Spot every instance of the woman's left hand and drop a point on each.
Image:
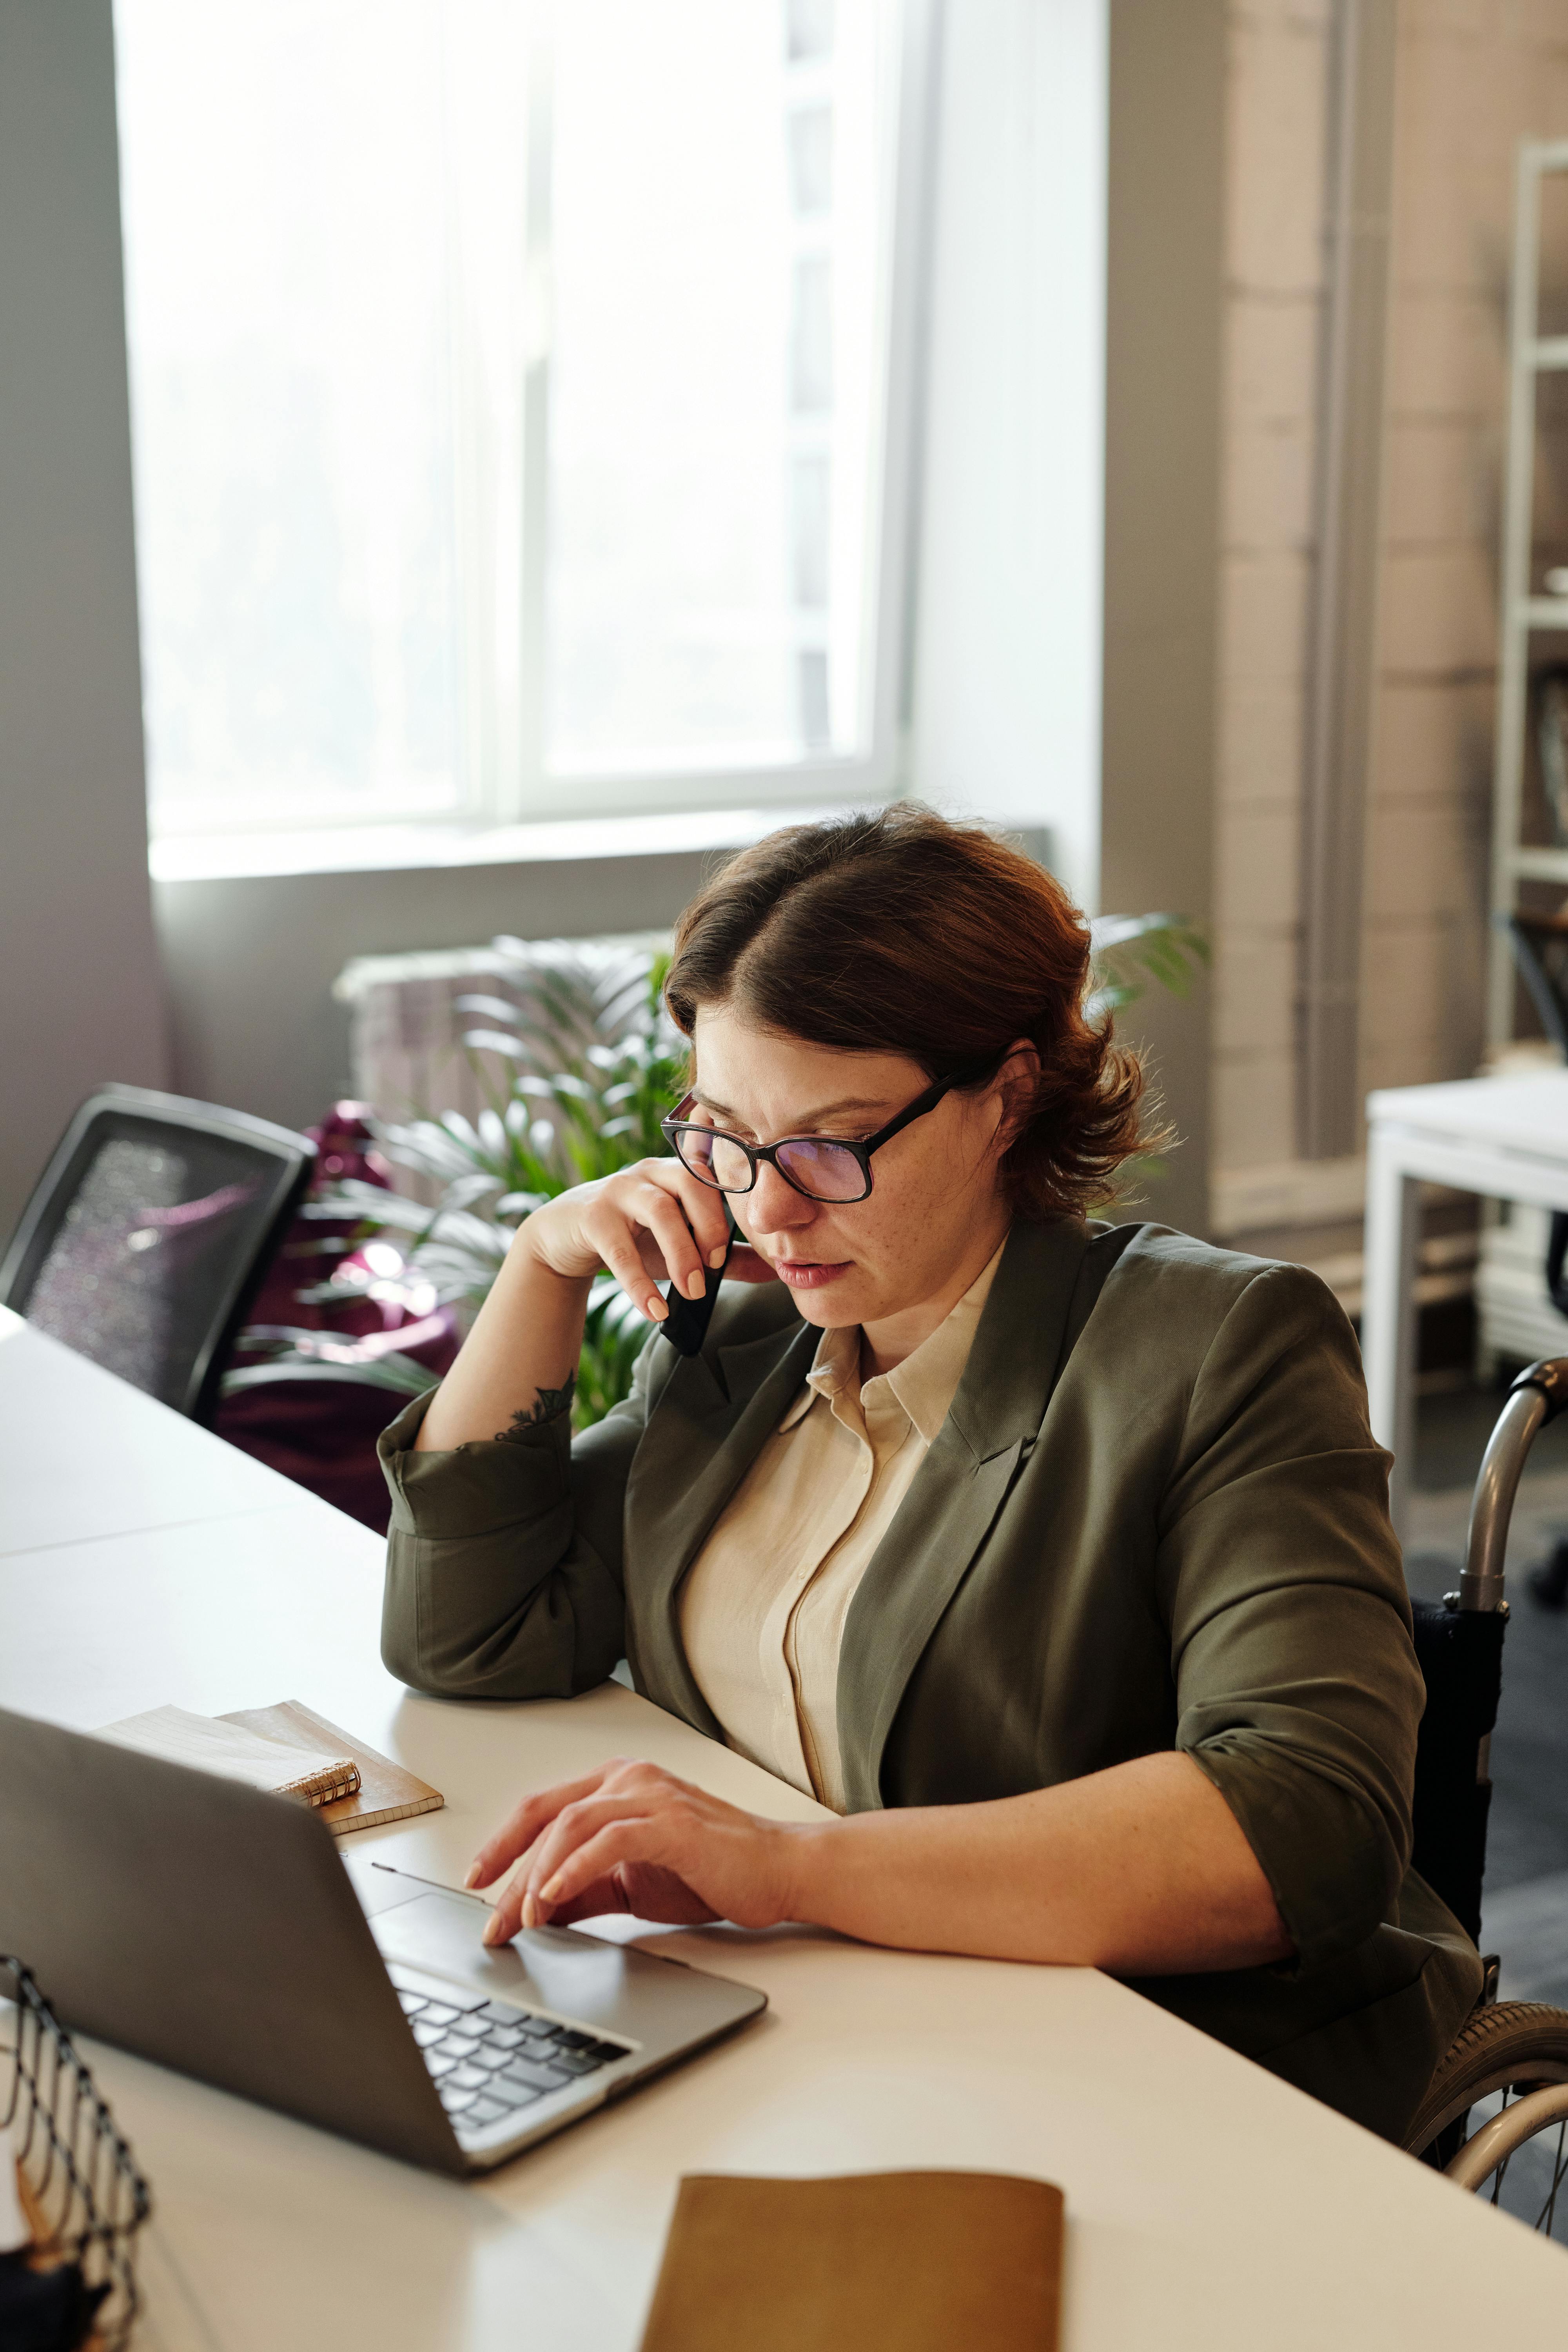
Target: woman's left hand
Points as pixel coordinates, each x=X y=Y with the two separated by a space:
x=631 y=1837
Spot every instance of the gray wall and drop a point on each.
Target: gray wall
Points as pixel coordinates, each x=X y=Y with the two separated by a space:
x=1164 y=289
x=251 y=962
x=79 y=995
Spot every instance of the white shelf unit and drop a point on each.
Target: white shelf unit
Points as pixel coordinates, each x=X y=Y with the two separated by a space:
x=1516 y=1321
x=1515 y=1317
x=1531 y=356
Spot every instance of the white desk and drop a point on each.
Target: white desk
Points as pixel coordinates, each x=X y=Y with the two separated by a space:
x=1505 y=1137
x=1209 y=2206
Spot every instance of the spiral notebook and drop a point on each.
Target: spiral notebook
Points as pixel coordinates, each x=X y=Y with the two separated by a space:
x=291 y=1750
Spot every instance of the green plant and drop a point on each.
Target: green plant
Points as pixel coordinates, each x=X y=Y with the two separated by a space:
x=578 y=1062
x=1128 y=951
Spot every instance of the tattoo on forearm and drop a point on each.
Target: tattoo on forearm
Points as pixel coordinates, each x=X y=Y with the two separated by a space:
x=548 y=1405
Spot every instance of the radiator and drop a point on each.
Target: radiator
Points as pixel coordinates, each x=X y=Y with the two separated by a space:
x=405 y=1032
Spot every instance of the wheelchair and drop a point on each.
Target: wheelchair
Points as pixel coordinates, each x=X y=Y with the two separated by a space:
x=1495 y=2115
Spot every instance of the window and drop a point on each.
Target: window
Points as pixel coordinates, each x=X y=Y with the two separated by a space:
x=519 y=402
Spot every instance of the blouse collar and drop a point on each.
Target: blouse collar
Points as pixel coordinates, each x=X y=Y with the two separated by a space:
x=927 y=1381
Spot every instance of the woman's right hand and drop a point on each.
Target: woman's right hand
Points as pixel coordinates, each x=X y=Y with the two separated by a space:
x=649 y=1224
x=652 y=1223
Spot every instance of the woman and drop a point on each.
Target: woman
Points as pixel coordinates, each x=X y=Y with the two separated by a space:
x=1055 y=1558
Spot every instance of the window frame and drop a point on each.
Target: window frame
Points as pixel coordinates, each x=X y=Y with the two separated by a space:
x=503 y=784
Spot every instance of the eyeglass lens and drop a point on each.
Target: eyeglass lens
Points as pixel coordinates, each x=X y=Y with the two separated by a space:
x=825 y=1171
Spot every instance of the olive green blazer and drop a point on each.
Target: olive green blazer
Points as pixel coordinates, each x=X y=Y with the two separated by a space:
x=1155 y=1517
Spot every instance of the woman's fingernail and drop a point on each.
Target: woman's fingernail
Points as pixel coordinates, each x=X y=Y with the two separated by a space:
x=696 y=1286
x=656 y=1310
x=716 y=1257
x=473 y=1877
x=551 y=1894
x=492 y=1934
x=529 y=1917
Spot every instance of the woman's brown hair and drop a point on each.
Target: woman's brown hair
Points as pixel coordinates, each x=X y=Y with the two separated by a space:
x=896 y=933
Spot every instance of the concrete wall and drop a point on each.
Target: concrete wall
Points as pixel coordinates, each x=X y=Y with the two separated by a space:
x=79 y=993
x=1010 y=698
x=1165 y=286
x=1279 y=65
x=1471 y=80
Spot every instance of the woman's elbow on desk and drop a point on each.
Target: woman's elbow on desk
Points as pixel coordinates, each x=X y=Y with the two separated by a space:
x=464 y=1673
x=406 y=1657
x=537 y=1661
x=454 y=1664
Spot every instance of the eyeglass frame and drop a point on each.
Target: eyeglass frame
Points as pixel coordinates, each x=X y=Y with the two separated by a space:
x=860 y=1150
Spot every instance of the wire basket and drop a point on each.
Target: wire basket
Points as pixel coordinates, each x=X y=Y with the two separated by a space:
x=80 y=2189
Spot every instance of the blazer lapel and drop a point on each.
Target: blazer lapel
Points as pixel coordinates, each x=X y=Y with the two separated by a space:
x=709 y=1426
x=1030 y=1317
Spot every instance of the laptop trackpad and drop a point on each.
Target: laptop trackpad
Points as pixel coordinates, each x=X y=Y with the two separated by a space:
x=547 y=1967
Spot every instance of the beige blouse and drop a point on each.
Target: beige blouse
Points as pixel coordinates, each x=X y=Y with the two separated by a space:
x=763 y=1608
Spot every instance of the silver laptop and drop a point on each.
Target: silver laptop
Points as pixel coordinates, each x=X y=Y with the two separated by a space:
x=215 y=1929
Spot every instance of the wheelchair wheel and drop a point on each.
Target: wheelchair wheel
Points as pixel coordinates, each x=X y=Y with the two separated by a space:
x=1495 y=2117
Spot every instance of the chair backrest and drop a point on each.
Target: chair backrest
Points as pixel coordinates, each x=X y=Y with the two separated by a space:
x=148 y=1232
x=1459 y=1643
x=1460 y=1656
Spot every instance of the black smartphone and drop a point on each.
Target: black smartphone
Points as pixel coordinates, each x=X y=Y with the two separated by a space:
x=687 y=1325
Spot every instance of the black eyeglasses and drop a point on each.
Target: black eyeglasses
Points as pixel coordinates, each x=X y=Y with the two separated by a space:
x=822 y=1167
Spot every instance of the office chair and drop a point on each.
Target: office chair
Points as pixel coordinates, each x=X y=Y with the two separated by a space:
x=1513 y=2051
x=148 y=1234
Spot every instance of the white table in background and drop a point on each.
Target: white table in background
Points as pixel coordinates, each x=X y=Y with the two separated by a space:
x=1210 y=2207
x=1504 y=1137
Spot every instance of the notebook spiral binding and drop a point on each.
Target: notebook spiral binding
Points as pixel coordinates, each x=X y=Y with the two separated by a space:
x=87 y=2196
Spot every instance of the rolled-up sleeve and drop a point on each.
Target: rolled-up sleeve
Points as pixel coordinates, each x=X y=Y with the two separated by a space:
x=1297 y=1690
x=503 y=1569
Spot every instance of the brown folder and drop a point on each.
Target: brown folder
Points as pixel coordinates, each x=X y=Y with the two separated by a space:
x=386 y=1791
x=876 y=2261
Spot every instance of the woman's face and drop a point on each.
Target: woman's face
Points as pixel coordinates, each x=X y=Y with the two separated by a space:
x=934 y=1196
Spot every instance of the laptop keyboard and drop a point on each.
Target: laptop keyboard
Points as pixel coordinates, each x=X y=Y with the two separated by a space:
x=489 y=2059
